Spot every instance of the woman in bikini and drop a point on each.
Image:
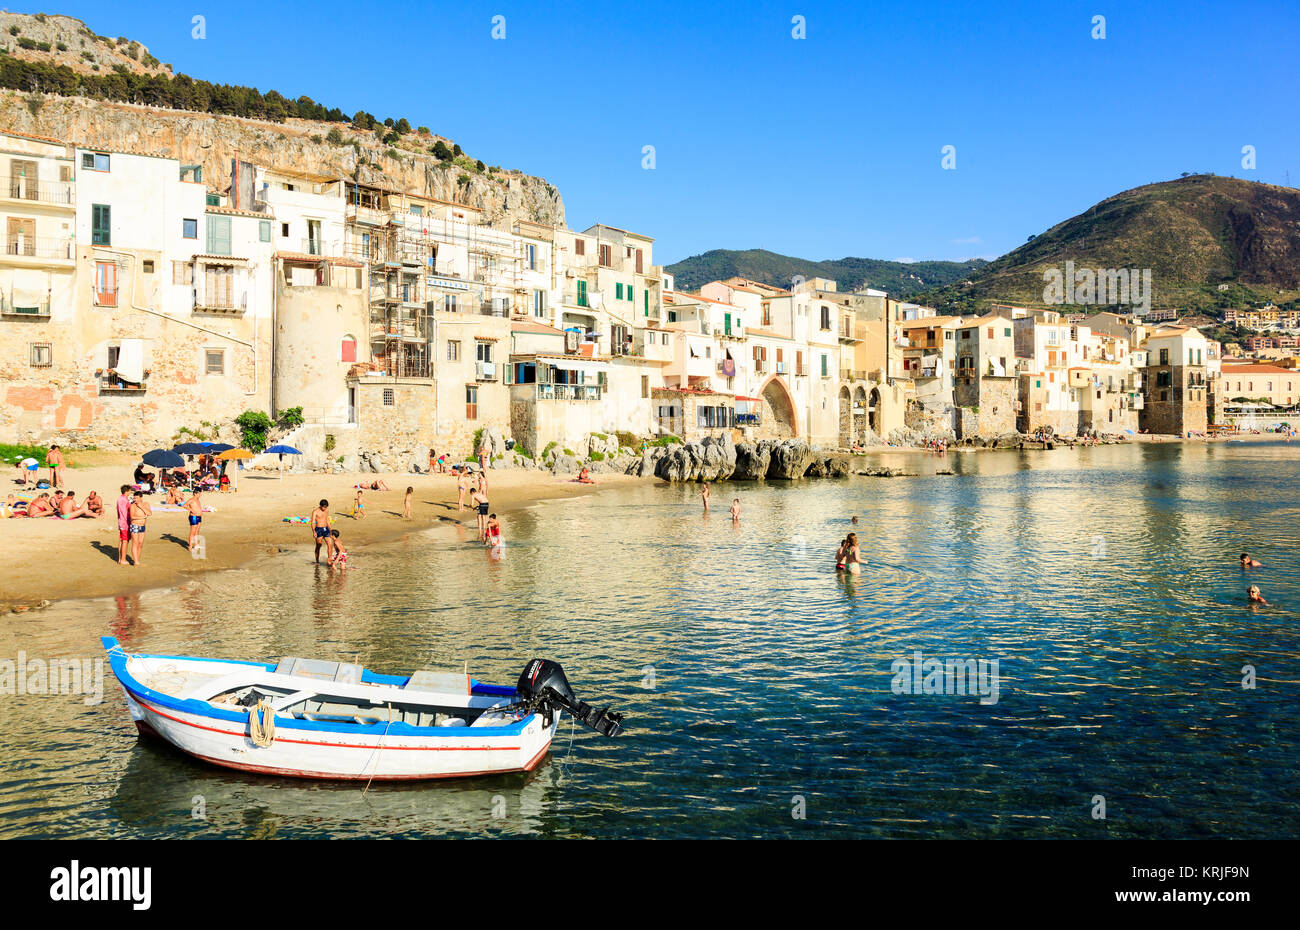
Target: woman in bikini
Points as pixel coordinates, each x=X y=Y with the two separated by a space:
x=852 y=555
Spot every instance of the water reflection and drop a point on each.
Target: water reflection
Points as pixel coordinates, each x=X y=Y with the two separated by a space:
x=1103 y=579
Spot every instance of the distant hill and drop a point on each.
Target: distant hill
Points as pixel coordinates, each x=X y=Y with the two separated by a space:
x=1210 y=242
x=900 y=279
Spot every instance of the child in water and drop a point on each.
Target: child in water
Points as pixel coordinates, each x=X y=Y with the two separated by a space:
x=339 y=559
x=406 y=503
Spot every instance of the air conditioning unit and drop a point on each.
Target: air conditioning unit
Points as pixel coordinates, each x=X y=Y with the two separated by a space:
x=485 y=371
x=570 y=342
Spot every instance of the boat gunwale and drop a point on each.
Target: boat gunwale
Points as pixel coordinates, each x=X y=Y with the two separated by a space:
x=137 y=690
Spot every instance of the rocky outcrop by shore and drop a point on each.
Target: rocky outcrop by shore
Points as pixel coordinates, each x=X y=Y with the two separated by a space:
x=719 y=458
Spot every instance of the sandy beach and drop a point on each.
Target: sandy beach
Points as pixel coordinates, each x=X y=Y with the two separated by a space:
x=51 y=560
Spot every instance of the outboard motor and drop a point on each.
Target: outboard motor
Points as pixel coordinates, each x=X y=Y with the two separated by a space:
x=543 y=688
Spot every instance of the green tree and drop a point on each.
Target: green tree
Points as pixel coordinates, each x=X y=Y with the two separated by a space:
x=253 y=426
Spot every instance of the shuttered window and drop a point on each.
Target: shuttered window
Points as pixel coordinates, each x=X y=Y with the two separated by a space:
x=218 y=235
x=101 y=224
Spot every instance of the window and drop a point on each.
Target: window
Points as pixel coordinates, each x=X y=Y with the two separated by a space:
x=214 y=361
x=449 y=303
x=483 y=351
x=284 y=230
x=348 y=350
x=579 y=247
x=40 y=355
x=263 y=230
x=106 y=284
x=531 y=251
x=825 y=367
x=182 y=273
x=96 y=161
x=798 y=363
x=965 y=334
x=219 y=235
x=190 y=229
x=453 y=350
x=1164 y=356
x=582 y=293
x=629 y=292
x=148 y=265
x=539 y=303
x=606 y=256
x=471 y=402
x=389 y=399
x=100 y=224
x=618 y=292
x=990 y=332
x=1007 y=331
x=826 y=318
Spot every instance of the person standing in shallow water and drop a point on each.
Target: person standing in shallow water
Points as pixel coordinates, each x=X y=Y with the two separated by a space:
x=704 y=496
x=735 y=510
x=320 y=529
x=852 y=555
x=406 y=504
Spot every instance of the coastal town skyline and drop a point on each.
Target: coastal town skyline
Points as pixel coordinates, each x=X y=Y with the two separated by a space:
x=1011 y=177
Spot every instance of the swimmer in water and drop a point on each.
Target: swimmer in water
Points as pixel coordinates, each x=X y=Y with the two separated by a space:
x=852 y=556
x=735 y=509
x=854 y=519
x=1253 y=596
x=1248 y=562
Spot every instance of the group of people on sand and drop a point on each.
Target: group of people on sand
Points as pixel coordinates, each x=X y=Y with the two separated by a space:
x=59 y=504
x=29 y=468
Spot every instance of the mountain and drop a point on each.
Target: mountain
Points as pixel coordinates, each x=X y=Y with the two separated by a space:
x=1210 y=242
x=900 y=279
x=60 y=79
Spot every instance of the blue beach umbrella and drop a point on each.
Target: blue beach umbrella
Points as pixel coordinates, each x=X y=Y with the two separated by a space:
x=193 y=448
x=163 y=458
x=216 y=448
x=282 y=451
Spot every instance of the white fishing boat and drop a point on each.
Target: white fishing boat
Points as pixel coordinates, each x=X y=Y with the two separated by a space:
x=308 y=718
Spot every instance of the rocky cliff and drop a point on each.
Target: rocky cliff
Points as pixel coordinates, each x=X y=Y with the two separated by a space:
x=299 y=145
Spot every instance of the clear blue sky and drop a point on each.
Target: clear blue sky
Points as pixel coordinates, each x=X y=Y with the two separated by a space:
x=823 y=147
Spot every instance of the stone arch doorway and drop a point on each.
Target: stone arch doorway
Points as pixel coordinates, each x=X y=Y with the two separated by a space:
x=846 y=418
x=776 y=396
x=859 y=414
x=873 y=411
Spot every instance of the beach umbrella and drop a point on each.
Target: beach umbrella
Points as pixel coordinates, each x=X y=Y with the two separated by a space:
x=282 y=451
x=163 y=458
x=231 y=455
x=192 y=448
x=217 y=447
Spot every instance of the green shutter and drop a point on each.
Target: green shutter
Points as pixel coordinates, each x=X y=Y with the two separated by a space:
x=582 y=293
x=646 y=294
x=101 y=224
x=264 y=230
x=218 y=235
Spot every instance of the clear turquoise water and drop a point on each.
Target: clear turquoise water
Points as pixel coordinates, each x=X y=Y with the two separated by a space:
x=1120 y=670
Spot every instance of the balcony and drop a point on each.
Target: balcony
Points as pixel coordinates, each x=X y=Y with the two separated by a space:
x=39 y=248
x=38 y=310
x=57 y=193
x=109 y=383
x=367 y=216
x=854 y=374
x=104 y=296
x=579 y=392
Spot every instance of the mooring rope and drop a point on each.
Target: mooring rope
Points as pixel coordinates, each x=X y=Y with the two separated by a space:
x=261 y=731
x=379 y=752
